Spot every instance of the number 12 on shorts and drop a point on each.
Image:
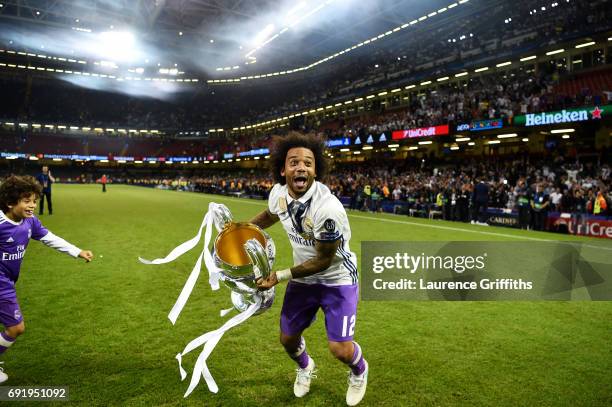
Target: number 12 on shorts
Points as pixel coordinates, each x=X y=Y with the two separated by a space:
x=348 y=323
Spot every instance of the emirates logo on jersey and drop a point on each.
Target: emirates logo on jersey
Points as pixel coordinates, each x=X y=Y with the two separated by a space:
x=14 y=256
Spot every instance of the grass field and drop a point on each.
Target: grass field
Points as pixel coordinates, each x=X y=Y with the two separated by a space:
x=101 y=328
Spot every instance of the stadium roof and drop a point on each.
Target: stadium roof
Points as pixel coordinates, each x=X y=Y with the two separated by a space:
x=212 y=34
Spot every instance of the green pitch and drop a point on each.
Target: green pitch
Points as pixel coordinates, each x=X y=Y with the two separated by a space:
x=101 y=328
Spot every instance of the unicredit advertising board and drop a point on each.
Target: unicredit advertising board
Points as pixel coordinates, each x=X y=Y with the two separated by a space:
x=595 y=226
x=422 y=132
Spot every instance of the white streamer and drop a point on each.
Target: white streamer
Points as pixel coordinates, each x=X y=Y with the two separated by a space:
x=209 y=339
x=183 y=248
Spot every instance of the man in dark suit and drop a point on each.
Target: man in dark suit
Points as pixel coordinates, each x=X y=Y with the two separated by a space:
x=480 y=199
x=45 y=179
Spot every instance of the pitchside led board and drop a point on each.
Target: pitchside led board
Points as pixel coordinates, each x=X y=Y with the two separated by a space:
x=564 y=116
x=420 y=132
x=346 y=141
x=486 y=271
x=479 y=125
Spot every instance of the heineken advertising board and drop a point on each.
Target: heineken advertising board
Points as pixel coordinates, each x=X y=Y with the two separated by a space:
x=564 y=116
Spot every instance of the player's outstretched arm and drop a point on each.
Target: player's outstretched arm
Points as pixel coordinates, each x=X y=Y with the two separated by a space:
x=325 y=255
x=55 y=242
x=265 y=219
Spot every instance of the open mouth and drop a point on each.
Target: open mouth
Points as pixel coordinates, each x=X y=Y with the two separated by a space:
x=29 y=213
x=300 y=181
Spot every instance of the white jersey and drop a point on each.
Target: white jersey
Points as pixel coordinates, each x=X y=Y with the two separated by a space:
x=317 y=215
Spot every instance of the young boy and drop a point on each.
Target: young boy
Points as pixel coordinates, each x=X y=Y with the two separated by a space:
x=18 y=197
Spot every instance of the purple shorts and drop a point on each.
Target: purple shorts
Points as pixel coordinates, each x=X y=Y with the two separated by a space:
x=339 y=304
x=10 y=313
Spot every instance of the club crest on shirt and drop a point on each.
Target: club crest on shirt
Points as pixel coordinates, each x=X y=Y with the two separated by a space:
x=308 y=226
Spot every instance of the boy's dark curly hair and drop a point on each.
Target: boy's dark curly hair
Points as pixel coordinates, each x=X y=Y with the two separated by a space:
x=16 y=187
x=282 y=145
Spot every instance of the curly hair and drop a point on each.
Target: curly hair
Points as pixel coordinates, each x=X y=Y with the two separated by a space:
x=15 y=188
x=282 y=145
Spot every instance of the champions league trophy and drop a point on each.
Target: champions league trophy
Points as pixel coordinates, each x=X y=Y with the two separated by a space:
x=241 y=259
x=243 y=253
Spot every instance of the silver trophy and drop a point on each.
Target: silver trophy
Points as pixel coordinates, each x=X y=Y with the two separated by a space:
x=243 y=253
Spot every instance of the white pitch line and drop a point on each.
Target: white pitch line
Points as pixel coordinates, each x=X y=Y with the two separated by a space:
x=452 y=228
x=424 y=225
x=480 y=232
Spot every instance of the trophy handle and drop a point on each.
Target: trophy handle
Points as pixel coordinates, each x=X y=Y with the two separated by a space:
x=258 y=257
x=222 y=216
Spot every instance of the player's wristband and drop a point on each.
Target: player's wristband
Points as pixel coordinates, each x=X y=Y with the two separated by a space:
x=283 y=275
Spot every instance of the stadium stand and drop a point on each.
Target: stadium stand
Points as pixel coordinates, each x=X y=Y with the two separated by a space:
x=44 y=116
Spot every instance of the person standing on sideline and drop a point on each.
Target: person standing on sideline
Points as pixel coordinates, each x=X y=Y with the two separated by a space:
x=480 y=199
x=523 y=197
x=45 y=179
x=324 y=274
x=540 y=203
x=103 y=181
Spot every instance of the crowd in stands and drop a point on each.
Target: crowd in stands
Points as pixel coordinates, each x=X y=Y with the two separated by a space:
x=460 y=191
x=247 y=185
x=493 y=96
x=454 y=46
x=47 y=100
x=410 y=55
x=419 y=189
x=451 y=191
x=529 y=185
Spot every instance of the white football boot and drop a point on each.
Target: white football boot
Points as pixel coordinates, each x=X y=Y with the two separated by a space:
x=357 y=386
x=3 y=376
x=303 y=377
